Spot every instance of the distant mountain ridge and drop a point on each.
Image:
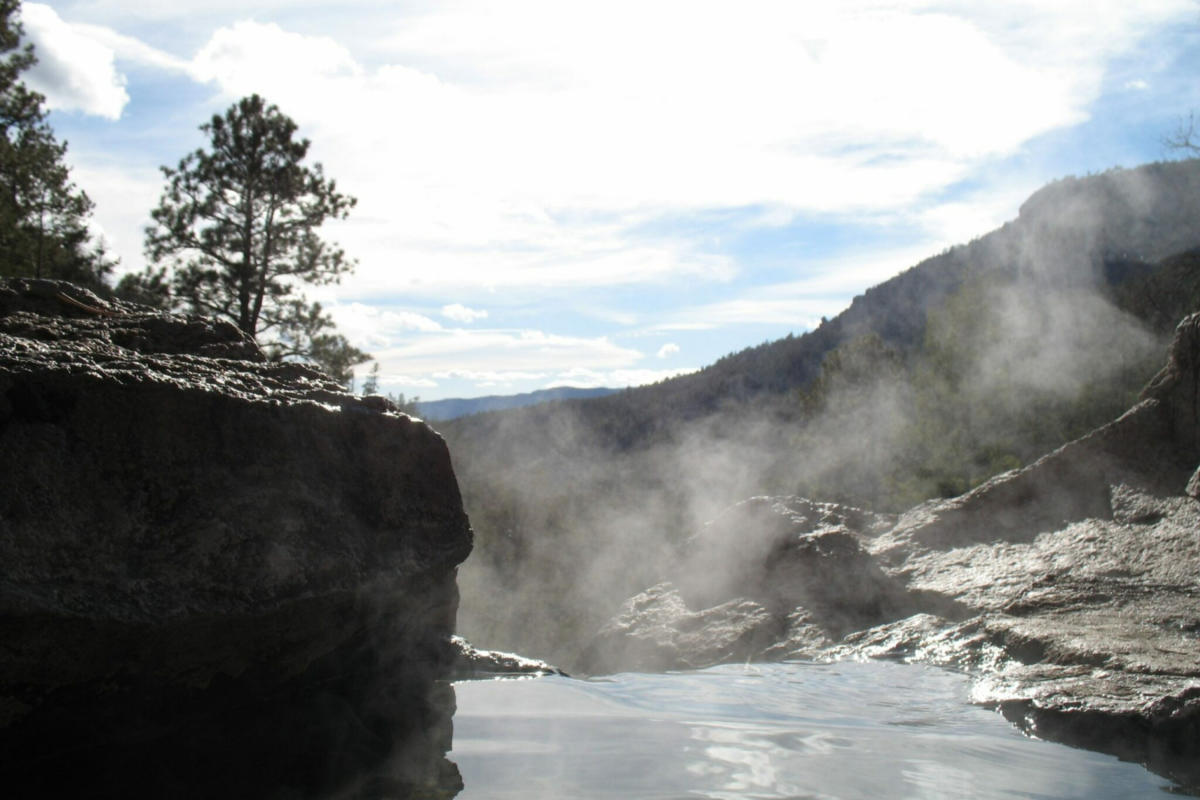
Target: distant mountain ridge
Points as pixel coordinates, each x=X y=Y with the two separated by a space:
x=1142 y=215
x=1071 y=231
x=452 y=408
x=975 y=361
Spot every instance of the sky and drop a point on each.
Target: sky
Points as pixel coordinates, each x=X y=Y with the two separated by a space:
x=611 y=193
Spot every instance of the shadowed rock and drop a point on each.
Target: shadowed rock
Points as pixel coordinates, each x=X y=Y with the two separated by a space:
x=219 y=575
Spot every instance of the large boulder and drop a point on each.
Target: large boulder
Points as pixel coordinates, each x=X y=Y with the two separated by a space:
x=219 y=575
x=769 y=576
x=1082 y=572
x=656 y=630
x=784 y=552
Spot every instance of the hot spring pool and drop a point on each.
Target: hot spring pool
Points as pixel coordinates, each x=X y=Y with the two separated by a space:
x=845 y=730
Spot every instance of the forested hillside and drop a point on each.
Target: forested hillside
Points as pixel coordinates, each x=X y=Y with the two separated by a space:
x=976 y=360
x=44 y=216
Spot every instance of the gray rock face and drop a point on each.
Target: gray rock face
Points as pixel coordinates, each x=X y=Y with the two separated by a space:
x=745 y=574
x=199 y=547
x=791 y=552
x=656 y=630
x=471 y=663
x=1070 y=588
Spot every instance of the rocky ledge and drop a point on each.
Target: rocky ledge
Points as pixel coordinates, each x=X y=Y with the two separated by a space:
x=1070 y=589
x=219 y=576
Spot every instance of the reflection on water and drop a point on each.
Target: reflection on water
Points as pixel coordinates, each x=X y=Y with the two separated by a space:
x=764 y=731
x=768 y=731
x=333 y=742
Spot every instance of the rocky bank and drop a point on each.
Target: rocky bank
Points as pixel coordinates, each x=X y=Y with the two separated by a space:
x=1070 y=589
x=219 y=576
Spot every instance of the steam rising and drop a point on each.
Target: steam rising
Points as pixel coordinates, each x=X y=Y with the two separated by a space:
x=1005 y=348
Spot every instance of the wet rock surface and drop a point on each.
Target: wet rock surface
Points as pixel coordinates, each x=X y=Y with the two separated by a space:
x=656 y=630
x=219 y=576
x=472 y=663
x=780 y=549
x=1070 y=589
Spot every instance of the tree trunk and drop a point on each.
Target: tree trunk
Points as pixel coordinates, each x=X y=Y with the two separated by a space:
x=248 y=320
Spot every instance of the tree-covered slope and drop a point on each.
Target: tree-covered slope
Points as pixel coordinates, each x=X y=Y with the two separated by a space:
x=974 y=361
x=1070 y=232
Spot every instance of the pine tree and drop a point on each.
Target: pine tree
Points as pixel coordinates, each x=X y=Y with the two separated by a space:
x=371 y=383
x=43 y=216
x=238 y=224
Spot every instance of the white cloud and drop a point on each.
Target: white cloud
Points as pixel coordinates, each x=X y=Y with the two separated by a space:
x=489 y=377
x=401 y=347
x=405 y=321
x=460 y=313
x=798 y=313
x=134 y=51
x=509 y=148
x=614 y=316
x=615 y=379
x=668 y=350
x=476 y=163
x=74 y=71
x=131 y=190
x=513 y=381
x=1137 y=85
x=249 y=57
x=846 y=275
x=547 y=258
x=827 y=289
x=970 y=215
x=371 y=326
x=682 y=325
x=387 y=380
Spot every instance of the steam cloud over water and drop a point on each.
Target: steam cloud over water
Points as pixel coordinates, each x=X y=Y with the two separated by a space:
x=976 y=361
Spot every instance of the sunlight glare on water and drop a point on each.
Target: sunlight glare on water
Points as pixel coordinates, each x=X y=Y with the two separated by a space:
x=848 y=730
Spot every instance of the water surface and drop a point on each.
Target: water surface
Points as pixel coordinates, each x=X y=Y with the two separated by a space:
x=846 y=730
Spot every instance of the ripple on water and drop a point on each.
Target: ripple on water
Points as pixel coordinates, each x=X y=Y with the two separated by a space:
x=845 y=730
